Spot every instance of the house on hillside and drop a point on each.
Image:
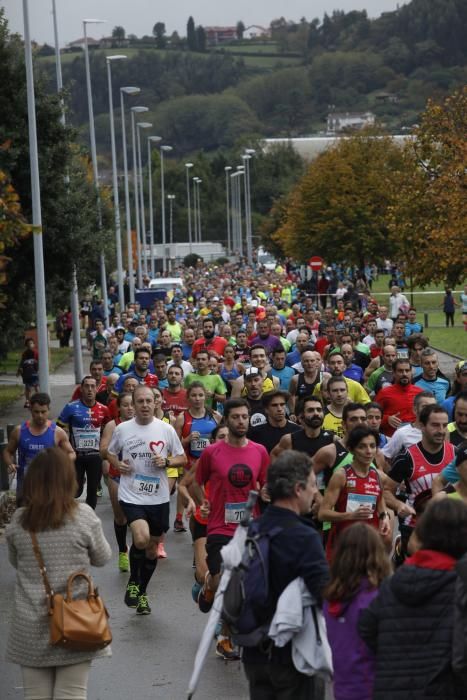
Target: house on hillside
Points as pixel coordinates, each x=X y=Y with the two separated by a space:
x=254 y=31
x=348 y=121
x=79 y=43
x=385 y=98
x=220 y=35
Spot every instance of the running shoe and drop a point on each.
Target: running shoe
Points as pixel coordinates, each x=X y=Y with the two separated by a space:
x=143 y=605
x=123 y=561
x=195 y=589
x=161 y=553
x=99 y=492
x=27 y=404
x=226 y=650
x=132 y=594
x=179 y=526
x=205 y=599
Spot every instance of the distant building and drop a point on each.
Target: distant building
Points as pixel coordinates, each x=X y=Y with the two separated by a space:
x=310 y=147
x=220 y=35
x=348 y=121
x=254 y=31
x=386 y=98
x=79 y=43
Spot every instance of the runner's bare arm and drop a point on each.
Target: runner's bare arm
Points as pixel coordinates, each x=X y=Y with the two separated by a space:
x=285 y=443
x=62 y=441
x=9 y=452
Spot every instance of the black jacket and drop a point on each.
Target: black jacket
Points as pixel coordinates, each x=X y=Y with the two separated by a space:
x=296 y=551
x=409 y=626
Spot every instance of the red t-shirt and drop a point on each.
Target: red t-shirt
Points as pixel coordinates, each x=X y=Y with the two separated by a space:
x=232 y=473
x=396 y=399
x=215 y=346
x=174 y=402
x=321 y=344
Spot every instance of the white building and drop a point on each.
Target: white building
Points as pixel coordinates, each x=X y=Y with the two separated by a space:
x=344 y=121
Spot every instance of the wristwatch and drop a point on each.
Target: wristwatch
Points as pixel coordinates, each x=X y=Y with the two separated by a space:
x=167 y=465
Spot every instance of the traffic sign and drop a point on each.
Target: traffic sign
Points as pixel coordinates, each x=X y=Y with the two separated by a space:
x=316 y=263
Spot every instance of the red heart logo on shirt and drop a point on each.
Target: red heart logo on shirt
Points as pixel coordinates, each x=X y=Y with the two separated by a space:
x=157 y=447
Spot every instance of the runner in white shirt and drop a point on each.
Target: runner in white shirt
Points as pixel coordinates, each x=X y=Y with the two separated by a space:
x=142 y=449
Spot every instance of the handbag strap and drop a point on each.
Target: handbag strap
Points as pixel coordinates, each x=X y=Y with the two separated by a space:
x=42 y=569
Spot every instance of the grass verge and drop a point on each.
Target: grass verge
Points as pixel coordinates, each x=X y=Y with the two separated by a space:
x=9 y=394
x=9 y=364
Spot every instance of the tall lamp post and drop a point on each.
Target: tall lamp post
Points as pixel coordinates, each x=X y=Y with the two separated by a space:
x=188 y=166
x=118 y=234
x=164 y=149
x=92 y=135
x=171 y=198
x=134 y=111
x=199 y=182
x=151 y=139
x=139 y=126
x=39 y=277
x=227 y=170
x=129 y=243
x=195 y=209
x=74 y=299
x=249 y=248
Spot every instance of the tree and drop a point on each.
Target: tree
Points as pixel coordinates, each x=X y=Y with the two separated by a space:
x=13 y=229
x=118 y=34
x=200 y=38
x=240 y=29
x=339 y=207
x=69 y=211
x=427 y=222
x=159 y=33
x=191 y=35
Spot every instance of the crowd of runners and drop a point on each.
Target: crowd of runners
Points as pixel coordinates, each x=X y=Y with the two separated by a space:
x=196 y=397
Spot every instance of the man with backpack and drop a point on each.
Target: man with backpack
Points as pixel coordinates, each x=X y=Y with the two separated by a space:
x=295 y=550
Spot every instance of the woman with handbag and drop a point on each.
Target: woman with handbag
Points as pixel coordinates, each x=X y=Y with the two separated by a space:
x=52 y=541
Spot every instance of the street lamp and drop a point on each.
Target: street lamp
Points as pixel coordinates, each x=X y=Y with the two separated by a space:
x=171 y=198
x=199 y=181
x=227 y=170
x=195 y=207
x=92 y=136
x=129 y=243
x=74 y=299
x=142 y=125
x=151 y=139
x=237 y=208
x=188 y=166
x=249 y=235
x=134 y=111
x=39 y=277
x=164 y=149
x=118 y=235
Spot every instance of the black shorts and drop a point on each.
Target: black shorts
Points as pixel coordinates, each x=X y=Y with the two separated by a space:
x=156 y=516
x=197 y=529
x=214 y=544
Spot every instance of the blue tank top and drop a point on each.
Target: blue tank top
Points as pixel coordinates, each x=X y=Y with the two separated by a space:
x=204 y=426
x=30 y=445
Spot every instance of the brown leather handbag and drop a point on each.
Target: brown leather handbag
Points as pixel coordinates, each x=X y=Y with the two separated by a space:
x=74 y=623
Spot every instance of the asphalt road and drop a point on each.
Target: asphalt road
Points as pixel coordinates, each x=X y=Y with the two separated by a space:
x=152 y=656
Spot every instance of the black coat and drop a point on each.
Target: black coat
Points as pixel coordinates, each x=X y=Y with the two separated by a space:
x=409 y=626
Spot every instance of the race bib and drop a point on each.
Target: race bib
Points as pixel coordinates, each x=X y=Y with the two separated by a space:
x=199 y=444
x=355 y=500
x=234 y=513
x=146 y=485
x=87 y=439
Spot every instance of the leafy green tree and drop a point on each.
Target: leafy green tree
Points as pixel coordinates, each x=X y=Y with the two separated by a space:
x=69 y=211
x=191 y=35
x=159 y=33
x=340 y=205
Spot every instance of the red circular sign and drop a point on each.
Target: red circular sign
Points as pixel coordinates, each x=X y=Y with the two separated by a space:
x=316 y=263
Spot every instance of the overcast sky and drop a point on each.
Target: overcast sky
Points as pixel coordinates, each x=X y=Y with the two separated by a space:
x=139 y=16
